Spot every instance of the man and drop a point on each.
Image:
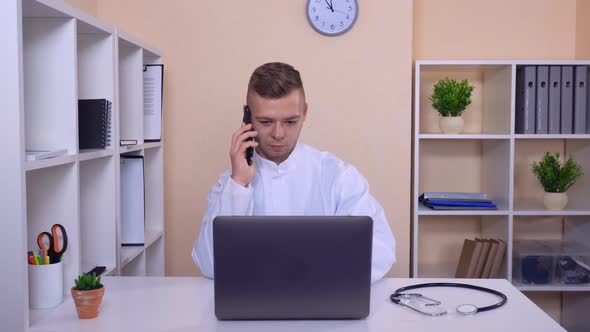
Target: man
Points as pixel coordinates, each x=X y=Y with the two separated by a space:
x=286 y=177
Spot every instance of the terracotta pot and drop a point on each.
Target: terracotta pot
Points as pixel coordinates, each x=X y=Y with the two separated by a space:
x=555 y=201
x=87 y=302
x=451 y=124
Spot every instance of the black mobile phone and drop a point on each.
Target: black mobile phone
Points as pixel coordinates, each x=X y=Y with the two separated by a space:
x=248 y=119
x=98 y=270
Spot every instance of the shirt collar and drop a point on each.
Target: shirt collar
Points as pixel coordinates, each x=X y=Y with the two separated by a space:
x=288 y=164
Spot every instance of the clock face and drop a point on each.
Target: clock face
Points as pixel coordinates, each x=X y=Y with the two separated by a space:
x=332 y=17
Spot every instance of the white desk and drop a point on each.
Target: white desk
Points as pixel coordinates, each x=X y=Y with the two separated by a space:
x=179 y=304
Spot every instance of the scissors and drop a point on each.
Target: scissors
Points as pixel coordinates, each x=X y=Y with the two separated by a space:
x=54 y=250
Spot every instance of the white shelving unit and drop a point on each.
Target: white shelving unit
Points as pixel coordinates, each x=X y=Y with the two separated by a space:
x=57 y=55
x=489 y=157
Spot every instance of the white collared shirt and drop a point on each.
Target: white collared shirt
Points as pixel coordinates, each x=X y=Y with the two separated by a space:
x=309 y=182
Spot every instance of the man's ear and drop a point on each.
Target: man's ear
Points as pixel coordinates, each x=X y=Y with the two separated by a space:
x=304 y=111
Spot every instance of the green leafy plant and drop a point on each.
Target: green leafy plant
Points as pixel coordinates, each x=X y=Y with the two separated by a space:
x=451 y=97
x=554 y=177
x=88 y=281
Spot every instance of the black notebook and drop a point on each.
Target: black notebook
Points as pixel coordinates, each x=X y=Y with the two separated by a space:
x=94 y=123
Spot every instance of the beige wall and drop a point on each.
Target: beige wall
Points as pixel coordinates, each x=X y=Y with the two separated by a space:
x=582 y=29
x=499 y=29
x=89 y=6
x=358 y=88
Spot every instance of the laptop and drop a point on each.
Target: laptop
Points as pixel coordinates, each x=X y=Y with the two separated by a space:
x=290 y=267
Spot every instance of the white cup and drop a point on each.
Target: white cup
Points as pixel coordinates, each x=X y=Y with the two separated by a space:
x=46 y=285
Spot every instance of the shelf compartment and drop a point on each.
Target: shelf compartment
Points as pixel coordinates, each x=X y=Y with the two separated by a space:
x=528 y=192
x=130 y=83
x=441 y=238
x=155 y=257
x=96 y=69
x=129 y=253
x=154 y=189
x=49 y=50
x=477 y=163
x=52 y=197
x=549 y=228
x=490 y=109
x=136 y=267
x=98 y=213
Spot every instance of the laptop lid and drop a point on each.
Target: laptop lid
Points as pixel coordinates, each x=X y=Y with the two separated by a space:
x=289 y=267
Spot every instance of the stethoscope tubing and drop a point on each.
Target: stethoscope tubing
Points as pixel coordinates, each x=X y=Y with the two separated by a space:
x=502 y=296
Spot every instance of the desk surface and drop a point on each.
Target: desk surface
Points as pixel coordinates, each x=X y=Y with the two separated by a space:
x=179 y=304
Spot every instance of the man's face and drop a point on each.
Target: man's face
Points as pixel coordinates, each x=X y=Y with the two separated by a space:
x=278 y=123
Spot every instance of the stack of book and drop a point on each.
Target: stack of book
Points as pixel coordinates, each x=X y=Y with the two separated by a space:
x=457 y=201
x=481 y=258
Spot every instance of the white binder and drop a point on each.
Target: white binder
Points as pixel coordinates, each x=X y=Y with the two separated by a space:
x=132 y=201
x=153 y=79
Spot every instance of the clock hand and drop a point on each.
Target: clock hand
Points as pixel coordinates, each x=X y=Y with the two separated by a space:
x=329 y=5
x=336 y=10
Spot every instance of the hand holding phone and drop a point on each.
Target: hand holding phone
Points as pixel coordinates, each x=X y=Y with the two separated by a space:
x=242 y=150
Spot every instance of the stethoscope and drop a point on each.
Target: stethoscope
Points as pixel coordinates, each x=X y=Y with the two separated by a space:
x=408 y=299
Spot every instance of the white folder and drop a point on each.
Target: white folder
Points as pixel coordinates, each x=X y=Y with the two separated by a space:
x=153 y=78
x=132 y=201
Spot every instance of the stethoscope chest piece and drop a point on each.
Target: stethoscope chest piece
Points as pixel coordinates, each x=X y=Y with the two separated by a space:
x=466 y=309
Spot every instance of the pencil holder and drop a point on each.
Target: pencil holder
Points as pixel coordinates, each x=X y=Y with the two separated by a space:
x=46 y=285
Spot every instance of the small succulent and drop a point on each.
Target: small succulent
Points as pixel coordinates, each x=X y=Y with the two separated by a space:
x=88 y=281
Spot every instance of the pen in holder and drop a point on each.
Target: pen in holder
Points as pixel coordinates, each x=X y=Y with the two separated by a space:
x=45 y=285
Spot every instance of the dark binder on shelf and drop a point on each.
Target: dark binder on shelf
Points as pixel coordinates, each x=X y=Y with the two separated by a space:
x=132 y=201
x=554 y=124
x=153 y=88
x=526 y=85
x=567 y=99
x=580 y=101
x=94 y=123
x=542 y=112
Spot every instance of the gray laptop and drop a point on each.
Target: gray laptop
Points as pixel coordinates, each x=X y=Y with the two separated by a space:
x=277 y=267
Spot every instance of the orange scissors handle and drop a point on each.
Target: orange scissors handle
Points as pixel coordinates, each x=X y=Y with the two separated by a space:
x=41 y=244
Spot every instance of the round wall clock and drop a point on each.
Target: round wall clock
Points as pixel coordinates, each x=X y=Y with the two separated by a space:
x=332 y=17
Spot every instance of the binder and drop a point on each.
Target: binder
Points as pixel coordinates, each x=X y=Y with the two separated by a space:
x=580 y=102
x=468 y=260
x=526 y=78
x=132 y=201
x=456 y=196
x=153 y=79
x=94 y=123
x=487 y=269
x=567 y=101
x=554 y=124
x=542 y=112
x=498 y=259
x=485 y=250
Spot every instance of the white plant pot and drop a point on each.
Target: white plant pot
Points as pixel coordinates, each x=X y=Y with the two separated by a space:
x=555 y=201
x=451 y=124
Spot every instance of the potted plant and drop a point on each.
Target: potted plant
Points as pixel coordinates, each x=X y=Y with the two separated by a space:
x=450 y=98
x=87 y=295
x=556 y=179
